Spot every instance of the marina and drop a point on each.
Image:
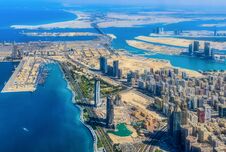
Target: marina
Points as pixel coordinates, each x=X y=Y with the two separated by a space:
x=25 y=77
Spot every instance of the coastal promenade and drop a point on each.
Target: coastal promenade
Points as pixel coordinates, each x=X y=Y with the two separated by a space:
x=99 y=132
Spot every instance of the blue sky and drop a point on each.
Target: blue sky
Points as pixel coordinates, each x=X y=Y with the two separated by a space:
x=159 y=3
x=151 y=2
x=207 y=5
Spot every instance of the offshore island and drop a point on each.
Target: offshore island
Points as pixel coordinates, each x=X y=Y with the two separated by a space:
x=129 y=102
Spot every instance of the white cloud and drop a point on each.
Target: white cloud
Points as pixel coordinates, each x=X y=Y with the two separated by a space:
x=158 y=2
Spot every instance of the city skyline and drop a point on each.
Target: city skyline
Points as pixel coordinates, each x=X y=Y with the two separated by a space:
x=113 y=76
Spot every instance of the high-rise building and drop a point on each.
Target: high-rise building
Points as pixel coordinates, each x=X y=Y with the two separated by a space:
x=207 y=50
x=222 y=111
x=119 y=73
x=158 y=30
x=184 y=113
x=97 y=93
x=177 y=124
x=115 y=69
x=174 y=124
x=178 y=32
x=170 y=120
x=118 y=100
x=103 y=65
x=131 y=76
x=109 y=112
x=184 y=75
x=158 y=89
x=212 y=53
x=201 y=115
x=190 y=49
x=110 y=70
x=196 y=46
x=215 y=32
x=16 y=53
x=207 y=109
x=194 y=103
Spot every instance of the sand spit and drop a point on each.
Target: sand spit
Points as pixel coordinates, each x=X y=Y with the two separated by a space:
x=83 y=21
x=155 y=48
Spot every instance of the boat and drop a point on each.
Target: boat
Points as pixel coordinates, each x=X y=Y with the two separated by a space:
x=25 y=129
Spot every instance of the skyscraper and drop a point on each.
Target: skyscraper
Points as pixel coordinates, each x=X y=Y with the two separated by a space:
x=184 y=113
x=14 y=54
x=174 y=124
x=110 y=112
x=207 y=109
x=215 y=32
x=212 y=53
x=196 y=46
x=110 y=70
x=158 y=30
x=201 y=115
x=115 y=69
x=170 y=120
x=184 y=75
x=207 y=50
x=97 y=93
x=119 y=73
x=103 y=65
x=190 y=49
x=222 y=111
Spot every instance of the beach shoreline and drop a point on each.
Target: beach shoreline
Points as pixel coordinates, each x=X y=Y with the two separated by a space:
x=92 y=132
x=82 y=21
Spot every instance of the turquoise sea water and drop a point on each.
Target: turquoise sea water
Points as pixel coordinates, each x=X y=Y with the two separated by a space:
x=192 y=63
x=123 y=34
x=18 y=16
x=34 y=15
x=43 y=121
x=46 y=120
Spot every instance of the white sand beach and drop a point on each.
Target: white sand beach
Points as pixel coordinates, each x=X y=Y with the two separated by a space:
x=82 y=21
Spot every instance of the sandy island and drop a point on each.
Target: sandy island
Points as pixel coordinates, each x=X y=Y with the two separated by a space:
x=83 y=21
x=214 y=25
x=59 y=34
x=112 y=19
x=191 y=34
x=116 y=19
x=179 y=42
x=155 y=48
